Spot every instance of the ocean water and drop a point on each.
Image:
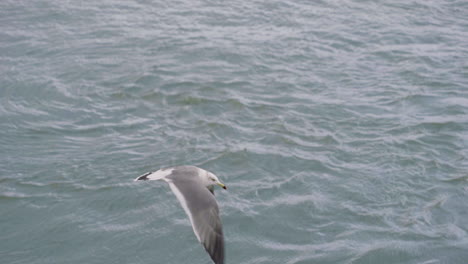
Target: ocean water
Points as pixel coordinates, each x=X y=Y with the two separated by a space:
x=339 y=127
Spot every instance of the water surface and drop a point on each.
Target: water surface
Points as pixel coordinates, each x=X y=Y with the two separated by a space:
x=340 y=128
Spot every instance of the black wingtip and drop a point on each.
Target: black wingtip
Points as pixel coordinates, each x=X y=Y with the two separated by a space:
x=217 y=251
x=143 y=177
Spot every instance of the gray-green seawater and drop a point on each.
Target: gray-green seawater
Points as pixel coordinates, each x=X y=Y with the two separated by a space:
x=339 y=127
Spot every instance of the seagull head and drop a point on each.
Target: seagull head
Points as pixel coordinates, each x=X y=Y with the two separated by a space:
x=210 y=180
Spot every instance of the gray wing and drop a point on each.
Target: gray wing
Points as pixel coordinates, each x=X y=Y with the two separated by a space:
x=201 y=207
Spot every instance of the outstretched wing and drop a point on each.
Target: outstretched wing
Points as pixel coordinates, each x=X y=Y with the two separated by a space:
x=202 y=209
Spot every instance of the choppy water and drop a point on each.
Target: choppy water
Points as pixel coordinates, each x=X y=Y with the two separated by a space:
x=340 y=128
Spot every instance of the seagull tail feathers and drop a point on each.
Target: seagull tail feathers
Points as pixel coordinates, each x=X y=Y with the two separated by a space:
x=143 y=177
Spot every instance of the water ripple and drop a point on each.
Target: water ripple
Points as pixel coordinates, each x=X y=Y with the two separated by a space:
x=339 y=127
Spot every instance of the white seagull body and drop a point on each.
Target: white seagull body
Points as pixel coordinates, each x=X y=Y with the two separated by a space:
x=193 y=187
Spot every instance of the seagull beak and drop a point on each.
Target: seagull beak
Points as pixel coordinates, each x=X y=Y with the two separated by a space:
x=222 y=186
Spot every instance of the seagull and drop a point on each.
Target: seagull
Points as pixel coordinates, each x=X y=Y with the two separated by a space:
x=194 y=188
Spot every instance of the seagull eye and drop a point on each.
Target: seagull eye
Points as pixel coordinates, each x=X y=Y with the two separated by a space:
x=213 y=179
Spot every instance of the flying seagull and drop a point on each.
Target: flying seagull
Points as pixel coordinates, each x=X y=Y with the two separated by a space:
x=194 y=188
